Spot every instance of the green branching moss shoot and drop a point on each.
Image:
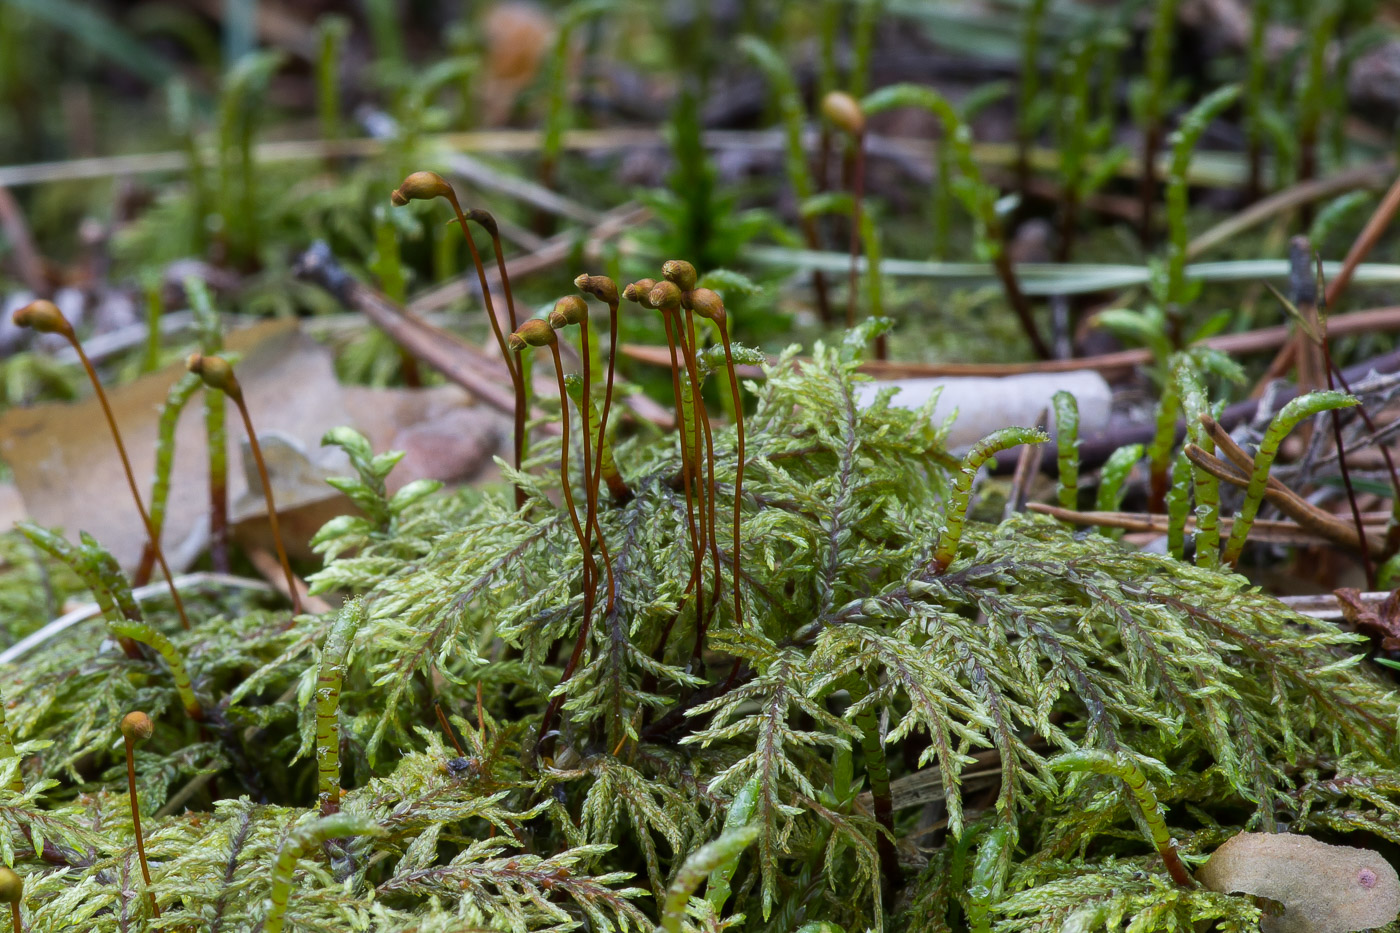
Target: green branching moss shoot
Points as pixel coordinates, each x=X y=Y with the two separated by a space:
x=704 y=860
x=1296 y=411
x=299 y=842
x=332 y=670
x=1067 y=448
x=980 y=453
x=1123 y=767
x=1192 y=391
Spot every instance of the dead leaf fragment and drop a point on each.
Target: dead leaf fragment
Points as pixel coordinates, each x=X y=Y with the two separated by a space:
x=1323 y=888
x=1379 y=621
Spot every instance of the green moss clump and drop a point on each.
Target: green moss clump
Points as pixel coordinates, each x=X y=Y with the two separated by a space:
x=882 y=727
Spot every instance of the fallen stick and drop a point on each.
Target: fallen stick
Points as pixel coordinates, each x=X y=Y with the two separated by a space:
x=1374 y=320
x=1270 y=531
x=1326 y=606
x=87 y=611
x=1095 y=449
x=1310 y=517
x=461 y=363
x=483 y=376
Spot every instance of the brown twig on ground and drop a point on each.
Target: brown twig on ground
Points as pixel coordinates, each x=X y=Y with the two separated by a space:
x=1374 y=320
x=1270 y=531
x=1360 y=248
x=1308 y=516
x=1327 y=606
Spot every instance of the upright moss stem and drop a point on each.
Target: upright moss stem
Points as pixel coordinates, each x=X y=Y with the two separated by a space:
x=567 y=311
x=1067 y=447
x=218 y=374
x=537 y=333
x=1195 y=403
x=640 y=292
x=979 y=196
x=867 y=720
x=301 y=840
x=1124 y=768
x=44 y=316
x=683 y=276
x=708 y=305
x=423 y=186
x=522 y=388
x=211 y=341
x=1149 y=103
x=605 y=290
x=844 y=112
x=136 y=729
x=666 y=297
x=175 y=401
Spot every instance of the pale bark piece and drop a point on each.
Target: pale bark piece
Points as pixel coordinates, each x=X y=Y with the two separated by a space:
x=984 y=405
x=1323 y=888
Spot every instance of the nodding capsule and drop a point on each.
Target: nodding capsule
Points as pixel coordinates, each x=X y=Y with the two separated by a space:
x=43 y=316
x=484 y=219
x=665 y=296
x=707 y=304
x=639 y=291
x=571 y=309
x=681 y=273
x=844 y=111
x=599 y=286
x=216 y=373
x=421 y=186
x=533 y=333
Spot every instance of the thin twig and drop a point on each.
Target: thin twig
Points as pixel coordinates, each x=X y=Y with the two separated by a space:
x=189 y=581
x=1270 y=531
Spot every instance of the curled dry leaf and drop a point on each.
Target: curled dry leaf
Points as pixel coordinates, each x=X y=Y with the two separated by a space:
x=1323 y=888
